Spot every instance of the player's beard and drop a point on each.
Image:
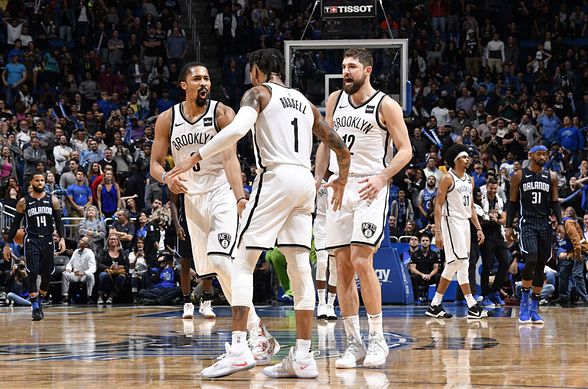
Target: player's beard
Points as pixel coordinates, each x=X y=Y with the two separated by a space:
x=36 y=189
x=355 y=85
x=540 y=162
x=201 y=101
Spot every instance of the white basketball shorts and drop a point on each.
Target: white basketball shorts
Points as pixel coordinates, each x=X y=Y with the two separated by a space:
x=319 y=228
x=279 y=211
x=358 y=221
x=455 y=233
x=212 y=223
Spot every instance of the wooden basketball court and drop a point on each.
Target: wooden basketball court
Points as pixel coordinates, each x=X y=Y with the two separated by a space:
x=116 y=347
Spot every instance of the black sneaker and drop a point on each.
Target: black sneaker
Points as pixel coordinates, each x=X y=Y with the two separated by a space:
x=477 y=312
x=41 y=310
x=438 y=311
x=37 y=314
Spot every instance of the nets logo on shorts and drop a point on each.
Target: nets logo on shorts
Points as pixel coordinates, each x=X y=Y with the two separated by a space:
x=224 y=239
x=368 y=229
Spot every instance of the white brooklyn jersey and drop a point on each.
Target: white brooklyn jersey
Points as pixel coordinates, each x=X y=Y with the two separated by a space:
x=186 y=138
x=459 y=197
x=283 y=131
x=366 y=137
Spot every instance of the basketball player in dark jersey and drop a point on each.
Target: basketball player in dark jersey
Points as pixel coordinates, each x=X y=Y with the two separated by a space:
x=533 y=191
x=40 y=211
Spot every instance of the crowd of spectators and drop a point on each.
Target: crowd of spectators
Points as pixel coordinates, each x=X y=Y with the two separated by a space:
x=82 y=84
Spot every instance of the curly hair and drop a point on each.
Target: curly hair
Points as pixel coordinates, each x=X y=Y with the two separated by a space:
x=453 y=152
x=269 y=61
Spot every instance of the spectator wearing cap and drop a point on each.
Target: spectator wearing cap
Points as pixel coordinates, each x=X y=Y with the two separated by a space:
x=78 y=140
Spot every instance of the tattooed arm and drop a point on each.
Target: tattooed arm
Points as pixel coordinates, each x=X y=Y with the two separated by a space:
x=332 y=140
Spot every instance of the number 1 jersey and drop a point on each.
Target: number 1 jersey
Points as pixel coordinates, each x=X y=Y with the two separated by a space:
x=283 y=131
x=187 y=137
x=364 y=134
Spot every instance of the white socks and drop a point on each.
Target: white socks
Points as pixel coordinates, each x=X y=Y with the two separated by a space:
x=351 y=324
x=437 y=299
x=375 y=324
x=470 y=300
x=321 y=295
x=331 y=300
x=302 y=349
x=239 y=342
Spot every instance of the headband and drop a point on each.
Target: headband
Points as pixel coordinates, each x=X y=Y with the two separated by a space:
x=537 y=148
x=461 y=155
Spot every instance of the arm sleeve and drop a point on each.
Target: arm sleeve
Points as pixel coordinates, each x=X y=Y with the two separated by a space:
x=556 y=208
x=243 y=121
x=510 y=213
x=14 y=226
x=58 y=222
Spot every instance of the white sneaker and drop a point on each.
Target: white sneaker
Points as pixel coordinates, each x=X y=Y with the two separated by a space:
x=377 y=351
x=188 y=311
x=291 y=367
x=353 y=356
x=263 y=346
x=331 y=315
x=109 y=300
x=321 y=311
x=206 y=309
x=230 y=363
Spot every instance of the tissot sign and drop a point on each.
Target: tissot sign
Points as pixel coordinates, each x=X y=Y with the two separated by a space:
x=348 y=8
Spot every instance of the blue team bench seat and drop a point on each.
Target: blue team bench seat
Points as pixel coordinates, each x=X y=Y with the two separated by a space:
x=450 y=294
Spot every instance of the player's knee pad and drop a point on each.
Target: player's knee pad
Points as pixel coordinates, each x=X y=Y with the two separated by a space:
x=322 y=258
x=450 y=270
x=242 y=277
x=332 y=271
x=300 y=274
x=463 y=272
x=222 y=266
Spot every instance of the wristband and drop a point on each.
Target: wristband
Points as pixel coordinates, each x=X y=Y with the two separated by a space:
x=163 y=177
x=241 y=198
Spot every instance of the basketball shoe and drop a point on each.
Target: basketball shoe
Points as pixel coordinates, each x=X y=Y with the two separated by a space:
x=188 y=311
x=377 y=351
x=321 y=311
x=230 y=362
x=353 y=356
x=438 y=311
x=263 y=345
x=290 y=367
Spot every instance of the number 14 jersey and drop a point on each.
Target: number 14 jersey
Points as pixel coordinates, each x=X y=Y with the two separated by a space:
x=364 y=134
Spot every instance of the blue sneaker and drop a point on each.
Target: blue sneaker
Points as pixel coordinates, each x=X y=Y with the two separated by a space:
x=535 y=318
x=496 y=299
x=486 y=303
x=525 y=313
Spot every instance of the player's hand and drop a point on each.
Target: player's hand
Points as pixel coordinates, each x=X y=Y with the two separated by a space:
x=180 y=232
x=176 y=183
x=61 y=245
x=426 y=277
x=6 y=253
x=241 y=206
x=560 y=230
x=372 y=187
x=480 y=236
x=338 y=186
x=438 y=240
x=509 y=235
x=184 y=166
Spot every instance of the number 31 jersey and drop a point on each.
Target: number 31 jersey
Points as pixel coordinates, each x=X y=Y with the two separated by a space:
x=459 y=197
x=366 y=137
x=535 y=194
x=187 y=137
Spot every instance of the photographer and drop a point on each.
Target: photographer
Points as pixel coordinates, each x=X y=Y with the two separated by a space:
x=165 y=288
x=494 y=245
x=18 y=293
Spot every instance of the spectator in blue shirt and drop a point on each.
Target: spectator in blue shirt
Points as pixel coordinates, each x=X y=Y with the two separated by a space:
x=14 y=74
x=570 y=137
x=479 y=175
x=79 y=195
x=164 y=103
x=550 y=125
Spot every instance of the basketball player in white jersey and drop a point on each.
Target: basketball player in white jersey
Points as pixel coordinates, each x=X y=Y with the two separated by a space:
x=454 y=208
x=368 y=121
x=325 y=309
x=282 y=122
x=211 y=207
